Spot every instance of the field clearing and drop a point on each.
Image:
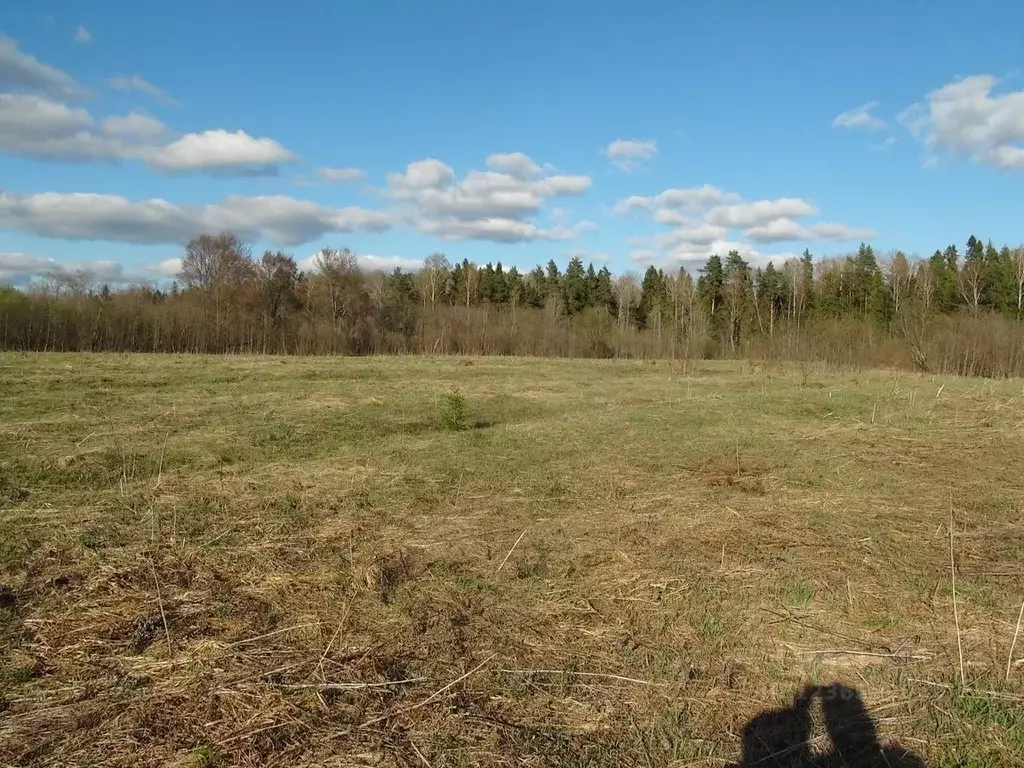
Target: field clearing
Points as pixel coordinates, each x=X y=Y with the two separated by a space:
x=292 y=562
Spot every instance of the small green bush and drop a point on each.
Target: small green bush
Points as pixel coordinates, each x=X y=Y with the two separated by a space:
x=454 y=411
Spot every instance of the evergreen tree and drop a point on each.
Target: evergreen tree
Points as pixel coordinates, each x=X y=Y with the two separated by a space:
x=535 y=288
x=866 y=283
x=591 y=282
x=997 y=280
x=710 y=286
x=653 y=300
x=574 y=287
x=603 y=296
x=943 y=280
x=499 y=285
x=514 y=287
x=737 y=293
x=807 y=281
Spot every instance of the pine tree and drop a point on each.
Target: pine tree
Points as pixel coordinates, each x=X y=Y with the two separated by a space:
x=653 y=300
x=997 y=281
x=806 y=283
x=866 y=284
x=943 y=280
x=710 y=286
x=574 y=287
x=603 y=296
x=737 y=294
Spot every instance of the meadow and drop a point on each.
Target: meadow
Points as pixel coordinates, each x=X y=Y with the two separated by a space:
x=330 y=561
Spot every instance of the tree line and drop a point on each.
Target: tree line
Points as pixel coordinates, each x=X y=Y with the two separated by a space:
x=952 y=312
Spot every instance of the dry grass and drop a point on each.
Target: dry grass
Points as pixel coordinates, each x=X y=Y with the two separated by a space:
x=291 y=562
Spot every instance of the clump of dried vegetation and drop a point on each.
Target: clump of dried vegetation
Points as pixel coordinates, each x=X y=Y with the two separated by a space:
x=269 y=562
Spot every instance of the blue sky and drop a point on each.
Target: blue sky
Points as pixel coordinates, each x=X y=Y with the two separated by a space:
x=649 y=132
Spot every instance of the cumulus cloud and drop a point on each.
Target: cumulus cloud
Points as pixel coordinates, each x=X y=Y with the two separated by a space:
x=514 y=163
x=827 y=230
x=501 y=230
x=860 y=118
x=706 y=220
x=627 y=154
x=760 y=213
x=692 y=257
x=136 y=125
x=692 y=198
x=966 y=118
x=779 y=230
x=82 y=35
x=279 y=219
x=37 y=126
x=136 y=83
x=20 y=70
x=218 y=150
x=20 y=269
x=484 y=205
x=370 y=263
x=340 y=174
x=645 y=256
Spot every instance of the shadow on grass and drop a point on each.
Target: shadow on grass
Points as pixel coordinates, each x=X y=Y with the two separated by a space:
x=781 y=738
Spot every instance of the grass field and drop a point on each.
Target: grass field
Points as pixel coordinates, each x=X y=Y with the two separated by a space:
x=290 y=562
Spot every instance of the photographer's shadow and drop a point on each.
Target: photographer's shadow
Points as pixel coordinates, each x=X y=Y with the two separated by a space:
x=781 y=738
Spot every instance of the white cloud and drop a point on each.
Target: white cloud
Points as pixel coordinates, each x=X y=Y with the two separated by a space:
x=787 y=230
x=778 y=230
x=859 y=118
x=168 y=267
x=692 y=198
x=372 y=263
x=515 y=163
x=278 y=219
x=627 y=154
x=137 y=125
x=82 y=35
x=704 y=220
x=36 y=126
x=760 y=213
x=691 y=232
x=964 y=117
x=914 y=118
x=28 y=116
x=369 y=263
x=502 y=230
x=827 y=230
x=693 y=257
x=885 y=144
x=340 y=174
x=218 y=150
x=136 y=83
x=484 y=205
x=645 y=256
x=20 y=269
x=21 y=70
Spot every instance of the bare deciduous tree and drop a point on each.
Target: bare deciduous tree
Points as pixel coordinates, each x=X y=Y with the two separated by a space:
x=1017 y=257
x=897 y=271
x=971 y=279
x=627 y=292
x=433 y=277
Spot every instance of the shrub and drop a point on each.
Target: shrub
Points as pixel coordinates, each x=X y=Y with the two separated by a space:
x=454 y=411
